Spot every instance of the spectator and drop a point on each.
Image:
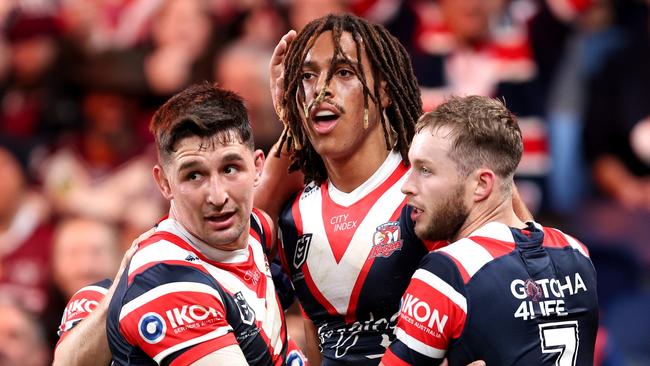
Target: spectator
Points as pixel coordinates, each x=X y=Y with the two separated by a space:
x=85 y=251
x=21 y=337
x=243 y=68
x=25 y=232
x=35 y=105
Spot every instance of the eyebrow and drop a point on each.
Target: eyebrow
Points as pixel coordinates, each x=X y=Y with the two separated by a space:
x=189 y=165
x=232 y=157
x=337 y=62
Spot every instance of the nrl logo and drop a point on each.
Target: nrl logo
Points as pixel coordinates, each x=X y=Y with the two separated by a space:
x=302 y=248
x=247 y=313
x=386 y=240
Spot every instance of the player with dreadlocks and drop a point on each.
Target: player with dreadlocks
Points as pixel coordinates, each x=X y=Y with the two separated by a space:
x=349 y=101
x=345 y=90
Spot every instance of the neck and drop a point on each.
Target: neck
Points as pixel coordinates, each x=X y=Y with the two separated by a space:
x=349 y=172
x=490 y=210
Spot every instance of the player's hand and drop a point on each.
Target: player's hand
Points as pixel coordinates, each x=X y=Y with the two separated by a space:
x=128 y=254
x=276 y=68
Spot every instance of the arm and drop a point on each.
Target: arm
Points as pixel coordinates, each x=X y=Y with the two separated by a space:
x=86 y=343
x=311 y=343
x=616 y=180
x=230 y=355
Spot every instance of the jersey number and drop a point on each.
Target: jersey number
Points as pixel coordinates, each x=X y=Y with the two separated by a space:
x=562 y=338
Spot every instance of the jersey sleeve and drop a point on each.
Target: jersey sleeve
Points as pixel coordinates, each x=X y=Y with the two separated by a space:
x=81 y=304
x=432 y=313
x=174 y=314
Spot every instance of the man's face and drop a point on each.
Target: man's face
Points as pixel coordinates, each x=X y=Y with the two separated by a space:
x=19 y=344
x=85 y=251
x=435 y=189
x=210 y=186
x=335 y=126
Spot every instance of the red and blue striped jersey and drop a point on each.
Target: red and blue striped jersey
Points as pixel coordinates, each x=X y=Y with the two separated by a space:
x=502 y=295
x=176 y=303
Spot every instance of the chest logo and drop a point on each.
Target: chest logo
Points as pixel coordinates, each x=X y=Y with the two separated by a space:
x=386 y=240
x=302 y=248
x=247 y=313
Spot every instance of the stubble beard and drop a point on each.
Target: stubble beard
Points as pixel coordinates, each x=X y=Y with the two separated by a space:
x=448 y=218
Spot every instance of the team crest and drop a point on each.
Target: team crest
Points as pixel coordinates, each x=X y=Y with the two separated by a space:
x=247 y=313
x=302 y=248
x=386 y=240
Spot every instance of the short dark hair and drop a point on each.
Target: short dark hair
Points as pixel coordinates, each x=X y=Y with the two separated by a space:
x=204 y=110
x=484 y=132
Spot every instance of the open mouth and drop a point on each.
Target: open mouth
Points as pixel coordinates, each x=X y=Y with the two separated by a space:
x=220 y=221
x=415 y=213
x=324 y=120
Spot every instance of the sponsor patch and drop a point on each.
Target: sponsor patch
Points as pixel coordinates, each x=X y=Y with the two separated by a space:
x=152 y=328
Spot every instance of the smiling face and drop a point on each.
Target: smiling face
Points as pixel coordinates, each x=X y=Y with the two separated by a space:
x=209 y=182
x=435 y=188
x=335 y=126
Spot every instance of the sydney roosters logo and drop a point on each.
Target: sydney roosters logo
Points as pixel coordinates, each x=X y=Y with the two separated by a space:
x=386 y=240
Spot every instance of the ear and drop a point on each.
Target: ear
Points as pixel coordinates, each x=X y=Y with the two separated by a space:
x=485 y=180
x=258 y=160
x=162 y=182
x=384 y=98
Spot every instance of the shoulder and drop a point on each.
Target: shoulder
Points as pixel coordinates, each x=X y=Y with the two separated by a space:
x=81 y=304
x=555 y=238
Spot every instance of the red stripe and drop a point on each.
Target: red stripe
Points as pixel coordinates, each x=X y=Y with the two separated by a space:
x=309 y=281
x=203 y=349
x=391 y=359
x=295 y=210
x=363 y=274
x=340 y=241
x=461 y=268
x=554 y=238
x=496 y=248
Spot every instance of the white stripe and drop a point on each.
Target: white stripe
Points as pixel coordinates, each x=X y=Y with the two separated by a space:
x=165 y=289
x=442 y=286
x=494 y=230
x=387 y=168
x=471 y=255
x=206 y=337
x=574 y=244
x=160 y=251
x=258 y=221
x=418 y=345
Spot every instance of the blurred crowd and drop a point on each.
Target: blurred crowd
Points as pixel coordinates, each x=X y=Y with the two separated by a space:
x=80 y=79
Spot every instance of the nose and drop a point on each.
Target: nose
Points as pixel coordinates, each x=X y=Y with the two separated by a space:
x=217 y=195
x=323 y=88
x=408 y=187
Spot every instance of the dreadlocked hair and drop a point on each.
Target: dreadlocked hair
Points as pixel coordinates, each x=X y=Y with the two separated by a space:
x=389 y=63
